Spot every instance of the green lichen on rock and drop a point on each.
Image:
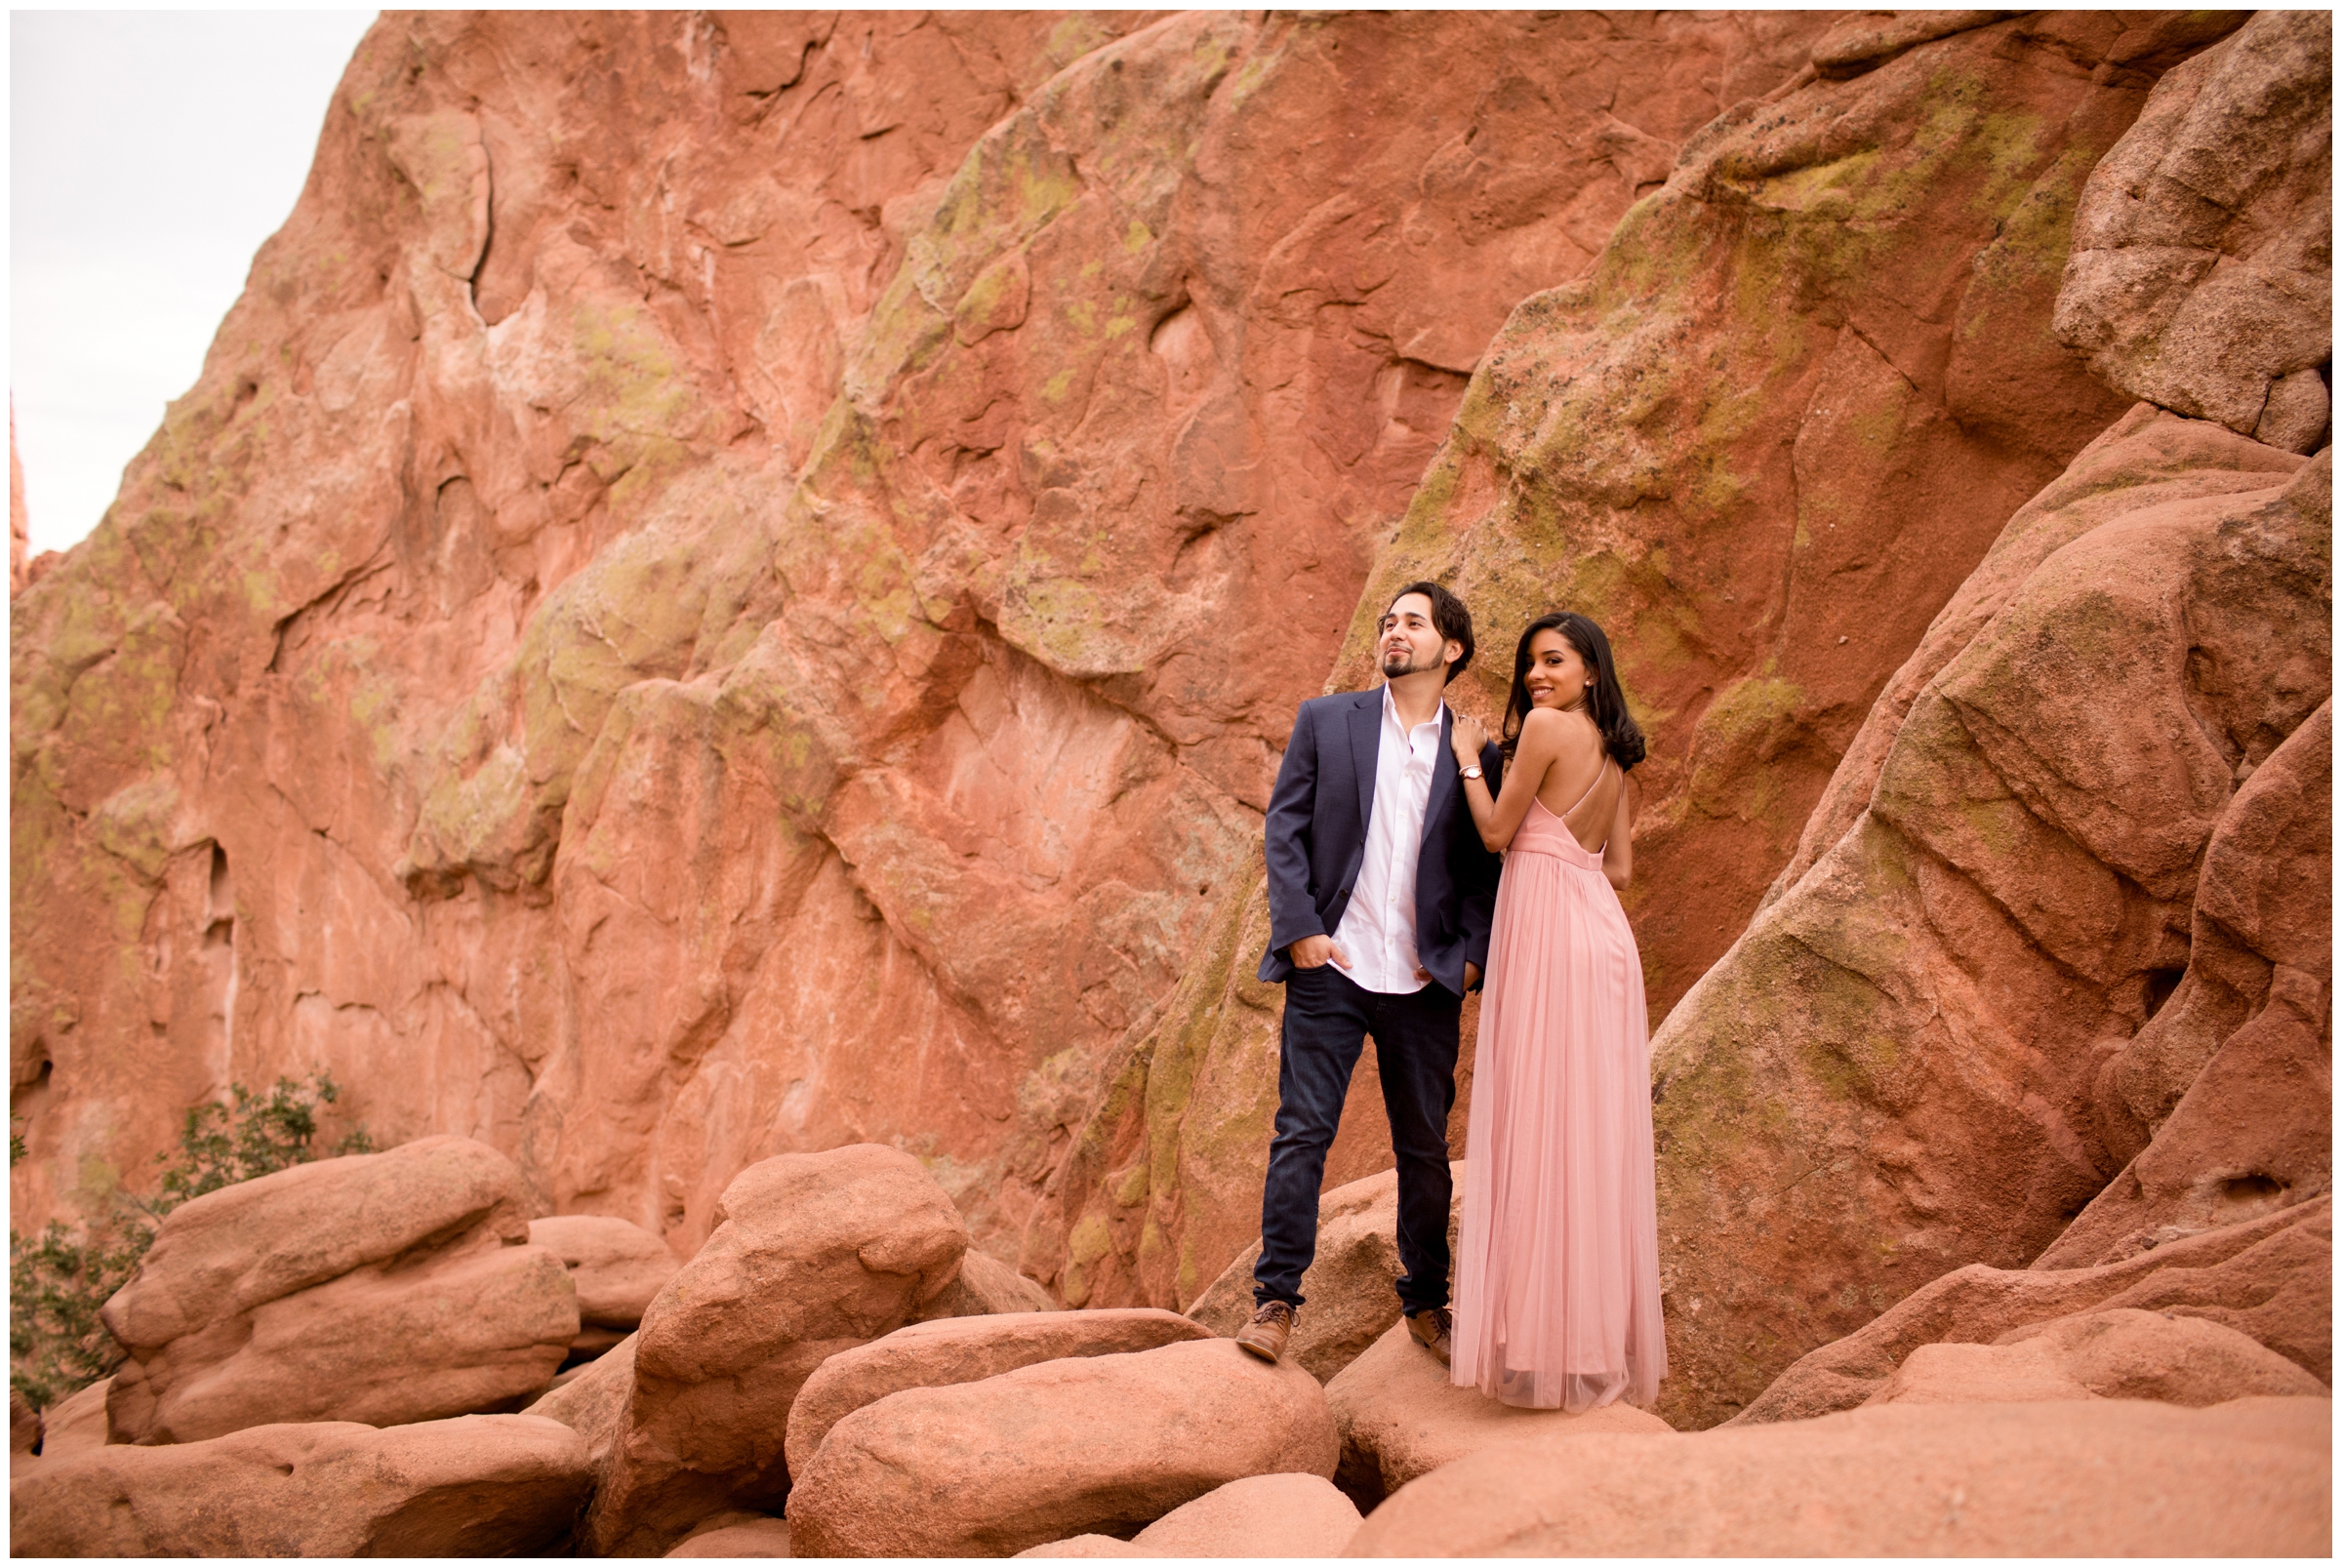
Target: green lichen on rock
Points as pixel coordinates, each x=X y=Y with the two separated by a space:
x=1184 y=1117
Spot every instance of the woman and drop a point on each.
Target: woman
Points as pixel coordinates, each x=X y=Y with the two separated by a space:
x=1557 y=1283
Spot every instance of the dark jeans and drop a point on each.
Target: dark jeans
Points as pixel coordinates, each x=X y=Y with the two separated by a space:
x=1327 y=1019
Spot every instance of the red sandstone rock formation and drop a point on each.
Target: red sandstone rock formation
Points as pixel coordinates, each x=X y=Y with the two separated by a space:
x=938 y=1354
x=1764 y=440
x=812 y=1253
x=2202 y=270
x=735 y=1535
x=616 y=1269
x=986 y=1285
x=475 y=1486
x=593 y=1400
x=2270 y=1278
x=1401 y=1416
x=1895 y=1071
x=1258 y=1516
x=2106 y=1476
x=2126 y=1354
x=384 y=1288
x=1094 y=1443
x=1348 y=1285
x=733 y=583
x=19 y=526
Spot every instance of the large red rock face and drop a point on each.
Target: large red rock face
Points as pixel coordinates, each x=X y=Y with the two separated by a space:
x=734 y=583
x=1935 y=1048
x=1762 y=441
x=2203 y=273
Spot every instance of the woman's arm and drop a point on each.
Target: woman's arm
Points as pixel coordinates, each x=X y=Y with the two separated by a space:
x=1498 y=819
x=1617 y=856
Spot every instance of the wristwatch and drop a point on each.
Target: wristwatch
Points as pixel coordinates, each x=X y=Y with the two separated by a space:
x=1473 y=772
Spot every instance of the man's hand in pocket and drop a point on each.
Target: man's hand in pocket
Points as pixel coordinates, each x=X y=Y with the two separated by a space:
x=1312 y=952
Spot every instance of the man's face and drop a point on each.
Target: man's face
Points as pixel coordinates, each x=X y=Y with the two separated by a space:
x=1410 y=642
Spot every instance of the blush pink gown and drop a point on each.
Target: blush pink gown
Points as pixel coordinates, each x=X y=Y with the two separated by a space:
x=1557 y=1268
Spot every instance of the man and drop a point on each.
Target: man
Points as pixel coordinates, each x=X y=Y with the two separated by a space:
x=1380 y=900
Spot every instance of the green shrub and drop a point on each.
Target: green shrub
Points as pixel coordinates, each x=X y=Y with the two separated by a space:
x=58 y=1280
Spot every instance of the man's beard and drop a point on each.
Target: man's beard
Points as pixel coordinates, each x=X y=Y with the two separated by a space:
x=1396 y=664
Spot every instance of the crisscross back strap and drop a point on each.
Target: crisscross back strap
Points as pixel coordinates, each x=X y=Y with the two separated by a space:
x=1599 y=774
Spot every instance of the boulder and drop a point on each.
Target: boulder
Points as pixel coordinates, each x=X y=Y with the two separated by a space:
x=986 y=1285
x=1087 y=1545
x=2270 y=1278
x=24 y=1421
x=592 y=1399
x=382 y=1288
x=2223 y=1102
x=1096 y=1444
x=1261 y=1516
x=2202 y=275
x=1984 y=1374
x=592 y=1343
x=1257 y=1516
x=1843 y=1112
x=77 y=1422
x=477 y=1486
x=244 y=1245
x=2101 y=1478
x=734 y=1535
x=815 y=1254
x=617 y=1266
x=1348 y=1295
x=1400 y=1416
x=2120 y=1354
x=950 y=1350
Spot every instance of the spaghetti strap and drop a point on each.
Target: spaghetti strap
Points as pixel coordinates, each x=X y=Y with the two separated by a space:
x=1599 y=774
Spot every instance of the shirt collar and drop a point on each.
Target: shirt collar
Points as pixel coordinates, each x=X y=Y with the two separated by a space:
x=1391 y=712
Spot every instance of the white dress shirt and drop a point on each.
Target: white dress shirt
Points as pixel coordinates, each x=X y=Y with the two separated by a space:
x=1378 y=928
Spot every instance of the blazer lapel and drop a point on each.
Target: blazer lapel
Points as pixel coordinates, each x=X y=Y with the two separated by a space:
x=1443 y=778
x=1365 y=750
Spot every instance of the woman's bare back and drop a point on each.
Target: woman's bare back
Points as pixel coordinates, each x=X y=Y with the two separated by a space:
x=1580 y=786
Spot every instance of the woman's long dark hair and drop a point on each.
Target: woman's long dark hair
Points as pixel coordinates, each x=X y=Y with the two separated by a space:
x=1606 y=703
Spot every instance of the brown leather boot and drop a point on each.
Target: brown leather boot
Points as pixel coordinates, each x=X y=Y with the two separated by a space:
x=1434 y=1331
x=1270 y=1327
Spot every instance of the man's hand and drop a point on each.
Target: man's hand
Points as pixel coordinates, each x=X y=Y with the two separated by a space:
x=1471 y=975
x=1312 y=952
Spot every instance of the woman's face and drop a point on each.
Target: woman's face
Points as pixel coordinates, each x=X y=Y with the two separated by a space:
x=1558 y=677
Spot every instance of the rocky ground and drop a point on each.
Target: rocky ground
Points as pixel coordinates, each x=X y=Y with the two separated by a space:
x=836 y=1374
x=713 y=635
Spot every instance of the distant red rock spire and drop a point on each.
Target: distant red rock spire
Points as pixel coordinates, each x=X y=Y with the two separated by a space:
x=20 y=530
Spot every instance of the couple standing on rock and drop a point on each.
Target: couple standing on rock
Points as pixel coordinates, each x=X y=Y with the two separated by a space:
x=1387 y=903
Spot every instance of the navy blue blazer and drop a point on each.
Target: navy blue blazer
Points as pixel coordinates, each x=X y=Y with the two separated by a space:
x=1316 y=836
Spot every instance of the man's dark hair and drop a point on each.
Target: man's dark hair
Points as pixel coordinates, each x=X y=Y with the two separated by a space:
x=1450 y=619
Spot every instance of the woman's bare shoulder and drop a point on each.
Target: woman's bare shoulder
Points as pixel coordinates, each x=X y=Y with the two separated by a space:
x=1568 y=731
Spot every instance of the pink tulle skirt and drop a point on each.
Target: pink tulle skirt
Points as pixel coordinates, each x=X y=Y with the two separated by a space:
x=1557 y=1265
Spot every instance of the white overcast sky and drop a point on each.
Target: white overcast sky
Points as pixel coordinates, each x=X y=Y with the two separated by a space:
x=150 y=152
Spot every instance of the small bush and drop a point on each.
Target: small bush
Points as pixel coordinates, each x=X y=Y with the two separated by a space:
x=250 y=1135
x=56 y=1284
x=58 y=1280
